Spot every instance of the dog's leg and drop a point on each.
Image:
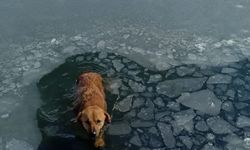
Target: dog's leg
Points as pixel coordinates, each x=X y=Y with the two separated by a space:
x=99 y=142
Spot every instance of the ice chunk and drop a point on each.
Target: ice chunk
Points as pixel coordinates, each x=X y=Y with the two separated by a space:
x=161 y=63
x=15 y=144
x=118 y=65
x=155 y=142
x=119 y=128
x=154 y=78
x=103 y=55
x=174 y=88
x=228 y=106
x=146 y=113
x=210 y=136
x=159 y=102
x=204 y=101
x=243 y=95
x=173 y=105
x=135 y=140
x=234 y=142
x=231 y=93
x=101 y=44
x=184 y=119
x=243 y=121
x=187 y=141
x=246 y=143
x=183 y=71
x=138 y=102
x=125 y=104
x=201 y=126
x=210 y=146
x=219 y=126
x=54 y=41
x=228 y=70
x=219 y=79
x=125 y=36
x=114 y=85
x=136 y=86
x=167 y=134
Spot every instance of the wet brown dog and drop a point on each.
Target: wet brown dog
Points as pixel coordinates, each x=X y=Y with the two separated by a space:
x=93 y=110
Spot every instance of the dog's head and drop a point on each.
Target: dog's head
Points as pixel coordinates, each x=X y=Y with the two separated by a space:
x=93 y=119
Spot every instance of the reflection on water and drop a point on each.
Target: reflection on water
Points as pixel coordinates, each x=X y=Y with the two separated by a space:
x=186 y=107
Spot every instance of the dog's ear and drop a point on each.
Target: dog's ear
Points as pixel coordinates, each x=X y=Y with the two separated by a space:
x=108 y=118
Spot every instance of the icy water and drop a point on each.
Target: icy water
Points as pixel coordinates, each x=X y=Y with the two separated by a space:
x=186 y=107
x=180 y=68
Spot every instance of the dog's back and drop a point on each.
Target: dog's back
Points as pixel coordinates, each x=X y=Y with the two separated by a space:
x=91 y=91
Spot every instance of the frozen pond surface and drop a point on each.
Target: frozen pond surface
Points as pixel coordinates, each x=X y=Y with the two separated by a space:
x=176 y=40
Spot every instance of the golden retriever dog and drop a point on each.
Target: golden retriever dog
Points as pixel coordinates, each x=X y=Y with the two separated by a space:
x=93 y=110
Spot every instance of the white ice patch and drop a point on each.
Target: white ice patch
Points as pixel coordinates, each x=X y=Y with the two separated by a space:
x=114 y=85
x=239 y=6
x=15 y=144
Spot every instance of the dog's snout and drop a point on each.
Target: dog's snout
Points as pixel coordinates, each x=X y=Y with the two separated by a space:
x=93 y=134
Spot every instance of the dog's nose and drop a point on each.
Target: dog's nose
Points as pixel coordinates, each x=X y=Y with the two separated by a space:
x=93 y=134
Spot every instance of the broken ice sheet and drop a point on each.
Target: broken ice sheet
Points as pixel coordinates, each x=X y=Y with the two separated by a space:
x=204 y=101
x=174 y=88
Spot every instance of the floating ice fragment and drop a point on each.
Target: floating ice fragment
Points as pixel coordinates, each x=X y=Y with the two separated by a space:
x=219 y=79
x=219 y=125
x=246 y=143
x=243 y=121
x=174 y=88
x=101 y=44
x=125 y=104
x=204 y=101
x=125 y=36
x=167 y=135
x=54 y=41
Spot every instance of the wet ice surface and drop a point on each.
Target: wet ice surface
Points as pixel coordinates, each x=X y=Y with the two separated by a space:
x=200 y=118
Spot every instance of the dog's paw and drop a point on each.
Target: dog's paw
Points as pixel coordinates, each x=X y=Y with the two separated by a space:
x=99 y=143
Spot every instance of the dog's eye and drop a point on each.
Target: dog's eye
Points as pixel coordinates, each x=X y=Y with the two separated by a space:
x=98 y=121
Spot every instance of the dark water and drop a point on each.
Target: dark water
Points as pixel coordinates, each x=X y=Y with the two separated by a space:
x=57 y=91
x=55 y=117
